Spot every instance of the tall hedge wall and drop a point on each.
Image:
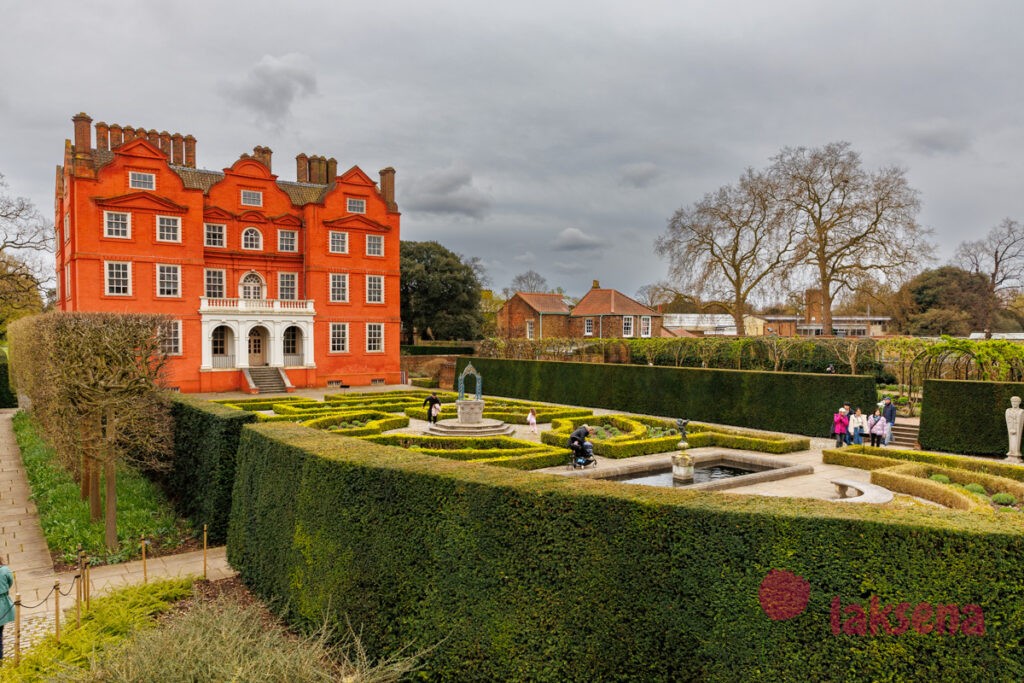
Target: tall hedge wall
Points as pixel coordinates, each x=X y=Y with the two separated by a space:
x=966 y=417
x=205 y=444
x=7 y=397
x=796 y=403
x=517 y=576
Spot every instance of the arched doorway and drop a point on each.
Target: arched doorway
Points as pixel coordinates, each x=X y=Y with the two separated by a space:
x=257 y=347
x=222 y=347
x=251 y=286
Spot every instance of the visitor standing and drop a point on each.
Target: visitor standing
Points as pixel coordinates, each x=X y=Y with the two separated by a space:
x=858 y=426
x=6 y=604
x=531 y=419
x=876 y=427
x=889 y=413
x=840 y=424
x=433 y=404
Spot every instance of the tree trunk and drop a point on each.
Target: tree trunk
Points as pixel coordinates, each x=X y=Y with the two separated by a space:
x=110 y=474
x=83 y=462
x=96 y=435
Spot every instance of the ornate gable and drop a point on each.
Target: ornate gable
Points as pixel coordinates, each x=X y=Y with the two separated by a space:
x=252 y=217
x=140 y=148
x=250 y=168
x=287 y=219
x=355 y=176
x=140 y=200
x=215 y=213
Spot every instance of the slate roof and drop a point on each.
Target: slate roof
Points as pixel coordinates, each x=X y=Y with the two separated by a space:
x=609 y=302
x=545 y=303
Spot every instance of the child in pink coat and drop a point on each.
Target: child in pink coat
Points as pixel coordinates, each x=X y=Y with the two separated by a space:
x=840 y=424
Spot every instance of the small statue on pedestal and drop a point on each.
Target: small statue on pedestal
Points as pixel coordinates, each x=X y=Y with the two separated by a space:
x=1014 y=424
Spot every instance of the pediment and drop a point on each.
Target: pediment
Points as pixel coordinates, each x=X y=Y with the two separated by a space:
x=250 y=168
x=141 y=200
x=142 y=149
x=252 y=217
x=357 y=222
x=287 y=219
x=355 y=176
x=215 y=213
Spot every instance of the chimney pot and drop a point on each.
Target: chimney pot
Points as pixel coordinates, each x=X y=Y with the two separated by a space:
x=597 y=284
x=302 y=168
x=102 y=136
x=83 y=133
x=177 y=149
x=190 y=151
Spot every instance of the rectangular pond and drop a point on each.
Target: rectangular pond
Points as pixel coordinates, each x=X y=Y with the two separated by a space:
x=705 y=472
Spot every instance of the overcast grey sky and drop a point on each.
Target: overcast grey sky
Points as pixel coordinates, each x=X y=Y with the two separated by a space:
x=557 y=136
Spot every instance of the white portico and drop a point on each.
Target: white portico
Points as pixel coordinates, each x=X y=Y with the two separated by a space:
x=254 y=332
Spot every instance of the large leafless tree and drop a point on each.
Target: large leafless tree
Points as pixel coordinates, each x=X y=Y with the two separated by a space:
x=999 y=258
x=731 y=244
x=25 y=237
x=851 y=223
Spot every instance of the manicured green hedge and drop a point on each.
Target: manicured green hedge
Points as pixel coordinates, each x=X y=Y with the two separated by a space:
x=912 y=479
x=424 y=350
x=525 y=576
x=205 y=443
x=963 y=462
x=778 y=401
x=966 y=417
x=7 y=397
x=424 y=382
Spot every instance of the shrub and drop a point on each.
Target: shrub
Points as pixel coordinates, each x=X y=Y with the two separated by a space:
x=424 y=382
x=947 y=403
x=976 y=488
x=912 y=479
x=7 y=397
x=778 y=401
x=941 y=478
x=523 y=576
x=962 y=462
x=1003 y=499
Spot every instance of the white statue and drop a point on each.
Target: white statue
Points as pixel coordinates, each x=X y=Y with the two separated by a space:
x=1014 y=424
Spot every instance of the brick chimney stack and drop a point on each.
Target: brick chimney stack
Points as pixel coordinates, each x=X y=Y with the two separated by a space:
x=153 y=137
x=116 y=136
x=129 y=134
x=177 y=149
x=387 y=187
x=301 y=168
x=102 y=136
x=317 y=169
x=83 y=134
x=263 y=155
x=332 y=170
x=165 y=143
x=190 y=151
x=597 y=284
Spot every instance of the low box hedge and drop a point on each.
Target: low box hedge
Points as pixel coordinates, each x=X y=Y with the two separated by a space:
x=794 y=403
x=964 y=462
x=912 y=479
x=505 y=575
x=424 y=382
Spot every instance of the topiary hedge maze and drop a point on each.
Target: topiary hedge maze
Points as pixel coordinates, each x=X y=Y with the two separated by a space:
x=793 y=403
x=506 y=575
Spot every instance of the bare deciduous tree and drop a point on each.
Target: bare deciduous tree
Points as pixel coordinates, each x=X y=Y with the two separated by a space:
x=731 y=244
x=530 y=281
x=24 y=235
x=999 y=257
x=851 y=223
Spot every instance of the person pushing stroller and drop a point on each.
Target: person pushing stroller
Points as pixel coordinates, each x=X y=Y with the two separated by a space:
x=582 y=450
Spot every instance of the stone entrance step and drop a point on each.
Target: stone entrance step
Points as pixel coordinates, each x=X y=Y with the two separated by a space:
x=485 y=427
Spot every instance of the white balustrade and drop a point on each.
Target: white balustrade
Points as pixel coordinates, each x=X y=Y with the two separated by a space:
x=256 y=305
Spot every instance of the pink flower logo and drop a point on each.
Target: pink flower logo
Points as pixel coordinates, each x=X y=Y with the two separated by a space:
x=783 y=595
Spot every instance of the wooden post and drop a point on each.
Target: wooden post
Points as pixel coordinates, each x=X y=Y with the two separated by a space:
x=78 y=592
x=145 y=574
x=17 y=629
x=56 y=611
x=204 y=552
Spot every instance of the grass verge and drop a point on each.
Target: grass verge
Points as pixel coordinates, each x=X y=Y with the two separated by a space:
x=142 y=511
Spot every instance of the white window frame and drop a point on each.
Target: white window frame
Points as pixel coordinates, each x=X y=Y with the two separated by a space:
x=588 y=327
x=283 y=236
x=222 y=275
x=222 y=237
x=355 y=205
x=294 y=286
x=67 y=281
x=137 y=180
x=645 y=326
x=251 y=198
x=379 y=327
x=176 y=221
x=627 y=326
x=344 y=239
x=259 y=235
x=175 y=338
x=106 y=277
x=529 y=329
x=378 y=290
x=377 y=240
x=341 y=288
x=128 y=224
x=339 y=338
x=166 y=269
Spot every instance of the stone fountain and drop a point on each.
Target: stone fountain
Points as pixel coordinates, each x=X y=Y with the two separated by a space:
x=470 y=421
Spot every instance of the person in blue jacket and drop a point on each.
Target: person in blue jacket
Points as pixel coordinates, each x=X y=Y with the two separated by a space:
x=889 y=413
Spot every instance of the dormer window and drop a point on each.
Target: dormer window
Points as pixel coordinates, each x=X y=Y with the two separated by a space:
x=142 y=181
x=252 y=198
x=356 y=205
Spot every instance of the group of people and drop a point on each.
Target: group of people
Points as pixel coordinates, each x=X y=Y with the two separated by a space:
x=851 y=426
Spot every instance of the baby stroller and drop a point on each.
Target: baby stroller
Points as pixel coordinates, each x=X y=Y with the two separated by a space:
x=583 y=456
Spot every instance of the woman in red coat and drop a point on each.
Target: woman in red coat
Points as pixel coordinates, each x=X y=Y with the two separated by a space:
x=840 y=423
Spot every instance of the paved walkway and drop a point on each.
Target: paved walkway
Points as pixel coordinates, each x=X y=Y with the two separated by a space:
x=23 y=545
